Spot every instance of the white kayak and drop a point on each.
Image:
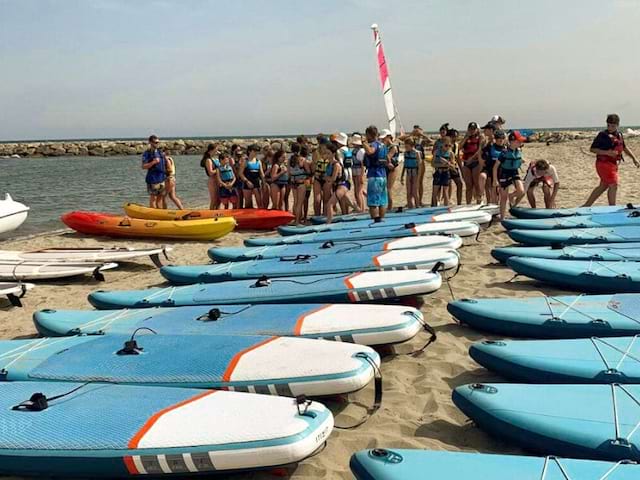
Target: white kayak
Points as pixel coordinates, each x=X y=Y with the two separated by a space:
x=17 y=270
x=14 y=291
x=12 y=214
x=100 y=254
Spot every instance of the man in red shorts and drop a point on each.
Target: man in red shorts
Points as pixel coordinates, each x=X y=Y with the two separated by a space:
x=609 y=147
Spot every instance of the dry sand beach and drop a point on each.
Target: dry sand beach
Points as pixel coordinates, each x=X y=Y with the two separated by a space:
x=417 y=411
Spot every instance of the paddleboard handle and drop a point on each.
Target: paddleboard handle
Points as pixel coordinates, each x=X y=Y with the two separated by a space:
x=263 y=281
x=131 y=347
x=328 y=244
x=410 y=225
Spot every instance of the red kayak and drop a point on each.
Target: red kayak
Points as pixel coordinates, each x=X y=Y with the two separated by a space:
x=246 y=218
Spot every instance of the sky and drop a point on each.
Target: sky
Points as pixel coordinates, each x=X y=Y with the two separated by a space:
x=126 y=68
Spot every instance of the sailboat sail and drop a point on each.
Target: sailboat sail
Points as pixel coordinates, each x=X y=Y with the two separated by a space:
x=392 y=113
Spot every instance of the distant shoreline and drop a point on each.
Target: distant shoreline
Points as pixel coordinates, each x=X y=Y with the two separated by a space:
x=196 y=146
x=262 y=137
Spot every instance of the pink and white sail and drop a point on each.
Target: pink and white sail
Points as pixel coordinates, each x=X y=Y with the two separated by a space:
x=392 y=112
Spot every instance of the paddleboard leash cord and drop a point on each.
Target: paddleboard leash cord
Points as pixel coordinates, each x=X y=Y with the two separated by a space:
x=377 y=400
x=39 y=401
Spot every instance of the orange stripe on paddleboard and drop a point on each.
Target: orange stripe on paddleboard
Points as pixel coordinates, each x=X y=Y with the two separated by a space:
x=298 y=328
x=133 y=443
x=385 y=247
x=131 y=466
x=236 y=358
x=347 y=281
x=376 y=262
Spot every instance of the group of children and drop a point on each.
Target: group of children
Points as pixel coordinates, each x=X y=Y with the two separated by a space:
x=360 y=171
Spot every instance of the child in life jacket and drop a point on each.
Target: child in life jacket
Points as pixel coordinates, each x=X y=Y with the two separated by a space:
x=411 y=169
x=227 y=192
x=443 y=161
x=506 y=173
x=542 y=173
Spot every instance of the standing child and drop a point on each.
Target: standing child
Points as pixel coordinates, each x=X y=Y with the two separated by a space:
x=471 y=151
x=210 y=164
x=410 y=168
x=170 y=182
x=299 y=174
x=443 y=159
x=456 y=165
x=226 y=182
x=279 y=176
x=357 y=170
x=506 y=172
x=252 y=176
x=393 y=155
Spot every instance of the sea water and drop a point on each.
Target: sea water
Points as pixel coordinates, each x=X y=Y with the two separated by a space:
x=54 y=185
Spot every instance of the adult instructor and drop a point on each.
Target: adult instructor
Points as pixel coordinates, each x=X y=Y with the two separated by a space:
x=609 y=146
x=153 y=161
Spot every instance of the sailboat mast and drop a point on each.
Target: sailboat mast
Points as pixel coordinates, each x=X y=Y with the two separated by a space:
x=383 y=69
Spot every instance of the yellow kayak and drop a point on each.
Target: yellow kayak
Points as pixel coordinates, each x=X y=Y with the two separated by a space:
x=93 y=223
x=246 y=218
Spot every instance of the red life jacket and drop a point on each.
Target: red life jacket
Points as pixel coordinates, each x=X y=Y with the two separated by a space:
x=471 y=146
x=618 y=147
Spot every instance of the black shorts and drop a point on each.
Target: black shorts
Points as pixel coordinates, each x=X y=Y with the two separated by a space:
x=225 y=192
x=472 y=165
x=441 y=177
x=508 y=177
x=454 y=173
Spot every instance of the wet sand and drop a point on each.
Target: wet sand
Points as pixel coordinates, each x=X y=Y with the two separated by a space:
x=417 y=411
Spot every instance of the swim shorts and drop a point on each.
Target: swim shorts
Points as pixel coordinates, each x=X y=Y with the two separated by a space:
x=155 y=188
x=441 y=177
x=377 y=192
x=607 y=171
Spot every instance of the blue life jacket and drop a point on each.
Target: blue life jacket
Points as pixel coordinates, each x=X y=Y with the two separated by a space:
x=157 y=173
x=510 y=159
x=226 y=173
x=253 y=165
x=411 y=159
x=376 y=162
x=348 y=158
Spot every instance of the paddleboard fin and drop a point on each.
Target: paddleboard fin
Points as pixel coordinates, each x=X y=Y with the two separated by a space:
x=14 y=300
x=97 y=274
x=263 y=281
x=328 y=244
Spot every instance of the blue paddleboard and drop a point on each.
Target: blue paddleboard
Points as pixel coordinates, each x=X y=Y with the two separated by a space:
x=552 y=317
x=340 y=288
x=580 y=275
x=541 y=213
x=621 y=219
x=583 y=360
x=422 y=258
x=360 y=323
x=405 y=464
x=478 y=216
x=597 y=422
x=257 y=364
x=115 y=431
x=462 y=229
x=613 y=252
x=239 y=254
x=576 y=236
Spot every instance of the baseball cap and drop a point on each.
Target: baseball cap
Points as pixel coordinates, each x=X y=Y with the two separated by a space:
x=516 y=135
